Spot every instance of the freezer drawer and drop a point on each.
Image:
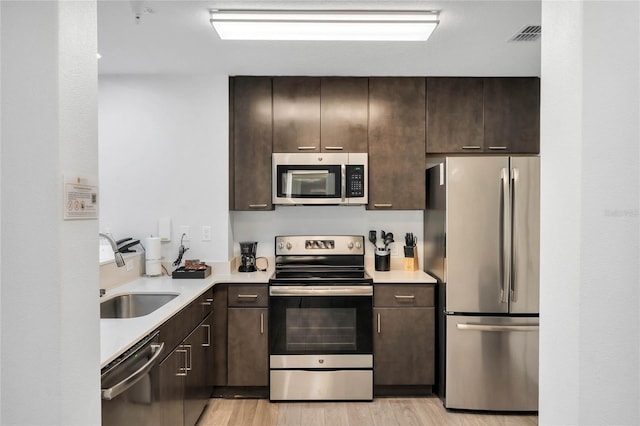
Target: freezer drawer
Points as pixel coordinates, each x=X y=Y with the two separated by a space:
x=492 y=363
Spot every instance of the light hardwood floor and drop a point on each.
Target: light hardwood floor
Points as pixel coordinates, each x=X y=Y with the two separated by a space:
x=382 y=411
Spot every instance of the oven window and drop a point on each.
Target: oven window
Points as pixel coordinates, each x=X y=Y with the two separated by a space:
x=309 y=181
x=324 y=328
x=320 y=325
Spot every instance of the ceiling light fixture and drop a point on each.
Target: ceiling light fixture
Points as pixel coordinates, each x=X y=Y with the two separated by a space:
x=324 y=25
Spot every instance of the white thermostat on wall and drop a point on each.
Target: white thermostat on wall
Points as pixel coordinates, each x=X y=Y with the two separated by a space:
x=164 y=228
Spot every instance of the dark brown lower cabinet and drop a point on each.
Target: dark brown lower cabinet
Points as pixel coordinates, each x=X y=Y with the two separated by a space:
x=199 y=355
x=184 y=388
x=403 y=346
x=403 y=339
x=247 y=350
x=219 y=331
x=171 y=394
x=185 y=375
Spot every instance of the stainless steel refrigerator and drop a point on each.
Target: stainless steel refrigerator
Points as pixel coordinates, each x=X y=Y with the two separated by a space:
x=482 y=243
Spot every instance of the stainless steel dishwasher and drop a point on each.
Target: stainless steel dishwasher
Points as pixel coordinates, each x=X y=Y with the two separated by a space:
x=130 y=385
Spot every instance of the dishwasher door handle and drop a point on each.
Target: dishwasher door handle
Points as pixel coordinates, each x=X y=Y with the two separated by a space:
x=136 y=376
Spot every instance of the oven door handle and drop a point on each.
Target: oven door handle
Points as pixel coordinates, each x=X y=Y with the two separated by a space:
x=333 y=290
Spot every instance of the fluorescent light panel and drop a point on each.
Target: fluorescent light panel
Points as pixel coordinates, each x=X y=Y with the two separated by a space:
x=324 y=25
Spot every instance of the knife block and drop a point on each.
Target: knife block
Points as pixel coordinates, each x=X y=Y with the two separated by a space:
x=411 y=262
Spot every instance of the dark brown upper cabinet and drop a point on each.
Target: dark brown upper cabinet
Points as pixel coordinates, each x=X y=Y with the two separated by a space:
x=296 y=114
x=251 y=143
x=512 y=115
x=483 y=115
x=320 y=114
x=454 y=115
x=396 y=143
x=344 y=112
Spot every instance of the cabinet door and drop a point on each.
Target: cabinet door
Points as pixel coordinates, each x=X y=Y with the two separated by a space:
x=512 y=115
x=396 y=143
x=296 y=114
x=197 y=392
x=172 y=372
x=252 y=136
x=454 y=115
x=403 y=346
x=219 y=331
x=344 y=113
x=247 y=347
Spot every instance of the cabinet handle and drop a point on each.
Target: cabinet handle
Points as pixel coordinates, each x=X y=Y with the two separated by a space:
x=247 y=296
x=498 y=147
x=188 y=348
x=333 y=148
x=183 y=351
x=378 y=323
x=399 y=297
x=206 y=345
x=261 y=323
x=383 y=205
x=306 y=148
x=471 y=147
x=207 y=302
x=257 y=206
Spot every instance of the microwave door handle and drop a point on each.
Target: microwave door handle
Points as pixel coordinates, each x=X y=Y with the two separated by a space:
x=343 y=169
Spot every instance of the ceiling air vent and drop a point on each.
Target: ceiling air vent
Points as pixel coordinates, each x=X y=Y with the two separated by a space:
x=527 y=33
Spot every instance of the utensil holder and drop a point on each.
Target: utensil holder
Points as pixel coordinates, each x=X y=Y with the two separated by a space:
x=411 y=258
x=383 y=260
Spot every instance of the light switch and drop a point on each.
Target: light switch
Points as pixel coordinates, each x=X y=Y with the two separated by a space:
x=206 y=233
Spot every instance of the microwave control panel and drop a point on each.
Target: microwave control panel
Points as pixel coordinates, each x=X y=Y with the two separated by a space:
x=355 y=181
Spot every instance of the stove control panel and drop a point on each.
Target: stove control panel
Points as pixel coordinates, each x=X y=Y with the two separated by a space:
x=335 y=245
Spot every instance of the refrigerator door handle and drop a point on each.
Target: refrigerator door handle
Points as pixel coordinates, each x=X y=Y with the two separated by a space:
x=505 y=236
x=499 y=328
x=514 y=236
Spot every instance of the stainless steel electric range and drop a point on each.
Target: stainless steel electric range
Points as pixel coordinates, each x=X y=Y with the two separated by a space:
x=320 y=320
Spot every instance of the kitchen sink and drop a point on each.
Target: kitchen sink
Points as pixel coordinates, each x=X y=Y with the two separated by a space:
x=132 y=305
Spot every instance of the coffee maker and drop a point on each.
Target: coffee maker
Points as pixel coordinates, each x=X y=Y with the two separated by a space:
x=248 y=251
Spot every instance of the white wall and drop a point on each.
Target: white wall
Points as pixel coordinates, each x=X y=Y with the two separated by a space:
x=327 y=220
x=164 y=153
x=49 y=314
x=590 y=326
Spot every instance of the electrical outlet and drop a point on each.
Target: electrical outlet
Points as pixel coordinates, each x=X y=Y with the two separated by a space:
x=206 y=233
x=394 y=249
x=184 y=230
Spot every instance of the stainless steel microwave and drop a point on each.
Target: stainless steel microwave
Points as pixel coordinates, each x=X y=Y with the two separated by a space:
x=320 y=178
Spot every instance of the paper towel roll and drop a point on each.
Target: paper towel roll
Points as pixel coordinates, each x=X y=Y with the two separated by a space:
x=152 y=248
x=153 y=268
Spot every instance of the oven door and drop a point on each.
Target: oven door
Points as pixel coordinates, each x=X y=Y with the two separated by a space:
x=318 y=320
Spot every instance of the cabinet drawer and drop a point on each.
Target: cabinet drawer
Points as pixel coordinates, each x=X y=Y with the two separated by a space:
x=249 y=296
x=173 y=332
x=403 y=295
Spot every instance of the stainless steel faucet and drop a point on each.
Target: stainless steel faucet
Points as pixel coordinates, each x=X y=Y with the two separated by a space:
x=116 y=253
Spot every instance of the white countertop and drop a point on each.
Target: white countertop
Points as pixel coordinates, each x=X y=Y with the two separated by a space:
x=400 y=276
x=118 y=335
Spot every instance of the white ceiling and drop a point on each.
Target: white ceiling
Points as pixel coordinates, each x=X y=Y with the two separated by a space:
x=471 y=40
